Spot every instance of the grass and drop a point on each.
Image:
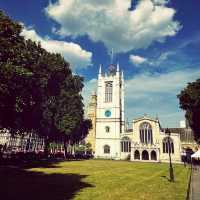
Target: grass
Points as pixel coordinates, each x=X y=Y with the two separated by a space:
x=93 y=180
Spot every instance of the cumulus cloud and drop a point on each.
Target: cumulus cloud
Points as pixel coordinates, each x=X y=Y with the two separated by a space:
x=137 y=60
x=110 y=21
x=72 y=52
x=156 y=95
x=153 y=62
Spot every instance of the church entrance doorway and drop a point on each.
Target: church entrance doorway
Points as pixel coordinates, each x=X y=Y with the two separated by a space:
x=145 y=155
x=137 y=155
x=153 y=155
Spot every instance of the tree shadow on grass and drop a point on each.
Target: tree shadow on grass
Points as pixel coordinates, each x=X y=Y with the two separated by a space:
x=20 y=184
x=41 y=163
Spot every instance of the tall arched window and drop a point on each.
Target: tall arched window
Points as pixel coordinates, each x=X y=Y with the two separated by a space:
x=168 y=145
x=108 y=91
x=125 y=145
x=153 y=155
x=146 y=135
x=106 y=149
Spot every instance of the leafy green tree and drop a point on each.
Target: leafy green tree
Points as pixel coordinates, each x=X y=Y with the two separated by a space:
x=88 y=147
x=38 y=91
x=190 y=102
x=81 y=131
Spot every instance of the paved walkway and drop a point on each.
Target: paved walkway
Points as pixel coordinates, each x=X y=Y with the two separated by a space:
x=195 y=184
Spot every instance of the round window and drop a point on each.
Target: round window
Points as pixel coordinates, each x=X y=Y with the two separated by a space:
x=108 y=113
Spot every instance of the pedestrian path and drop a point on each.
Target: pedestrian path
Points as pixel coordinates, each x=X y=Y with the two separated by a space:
x=195 y=184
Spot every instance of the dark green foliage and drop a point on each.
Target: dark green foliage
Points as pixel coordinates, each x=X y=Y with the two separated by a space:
x=190 y=102
x=38 y=91
x=81 y=131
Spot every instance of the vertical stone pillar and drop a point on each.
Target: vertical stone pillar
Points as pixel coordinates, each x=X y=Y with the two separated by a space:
x=149 y=151
x=158 y=155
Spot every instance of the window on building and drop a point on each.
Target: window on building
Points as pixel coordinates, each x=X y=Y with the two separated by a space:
x=125 y=145
x=107 y=129
x=106 y=149
x=146 y=135
x=137 y=155
x=108 y=92
x=153 y=155
x=168 y=145
x=145 y=155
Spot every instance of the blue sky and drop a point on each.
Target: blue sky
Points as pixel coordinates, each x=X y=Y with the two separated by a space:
x=157 y=45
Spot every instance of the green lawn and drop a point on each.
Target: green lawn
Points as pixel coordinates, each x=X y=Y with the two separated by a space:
x=93 y=180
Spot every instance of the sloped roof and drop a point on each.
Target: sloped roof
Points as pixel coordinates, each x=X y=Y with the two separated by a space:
x=146 y=118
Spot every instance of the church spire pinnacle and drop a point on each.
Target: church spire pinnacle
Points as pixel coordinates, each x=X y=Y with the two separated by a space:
x=118 y=67
x=100 y=66
x=112 y=56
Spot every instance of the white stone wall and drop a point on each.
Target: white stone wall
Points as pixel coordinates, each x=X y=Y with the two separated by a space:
x=114 y=148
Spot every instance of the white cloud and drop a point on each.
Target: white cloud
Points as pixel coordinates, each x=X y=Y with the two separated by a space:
x=137 y=60
x=160 y=2
x=171 y=82
x=154 y=62
x=110 y=21
x=156 y=95
x=73 y=53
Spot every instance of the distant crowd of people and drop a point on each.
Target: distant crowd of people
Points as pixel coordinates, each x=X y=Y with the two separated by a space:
x=188 y=160
x=7 y=156
x=196 y=164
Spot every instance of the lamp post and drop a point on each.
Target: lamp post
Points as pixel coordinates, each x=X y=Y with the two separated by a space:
x=171 y=171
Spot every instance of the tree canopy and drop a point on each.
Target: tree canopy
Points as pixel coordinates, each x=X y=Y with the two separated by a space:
x=38 y=91
x=190 y=102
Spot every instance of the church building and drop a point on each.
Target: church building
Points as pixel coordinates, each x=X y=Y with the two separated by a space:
x=109 y=138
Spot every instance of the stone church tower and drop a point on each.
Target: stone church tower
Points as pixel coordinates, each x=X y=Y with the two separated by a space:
x=110 y=113
x=91 y=114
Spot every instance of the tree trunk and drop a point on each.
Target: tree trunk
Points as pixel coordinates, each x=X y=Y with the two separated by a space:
x=46 y=147
x=1 y=154
x=65 y=148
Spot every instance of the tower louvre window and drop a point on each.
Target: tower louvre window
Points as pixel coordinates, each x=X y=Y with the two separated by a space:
x=108 y=92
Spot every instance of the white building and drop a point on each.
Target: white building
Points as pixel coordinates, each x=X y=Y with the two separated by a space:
x=24 y=142
x=110 y=113
x=146 y=141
